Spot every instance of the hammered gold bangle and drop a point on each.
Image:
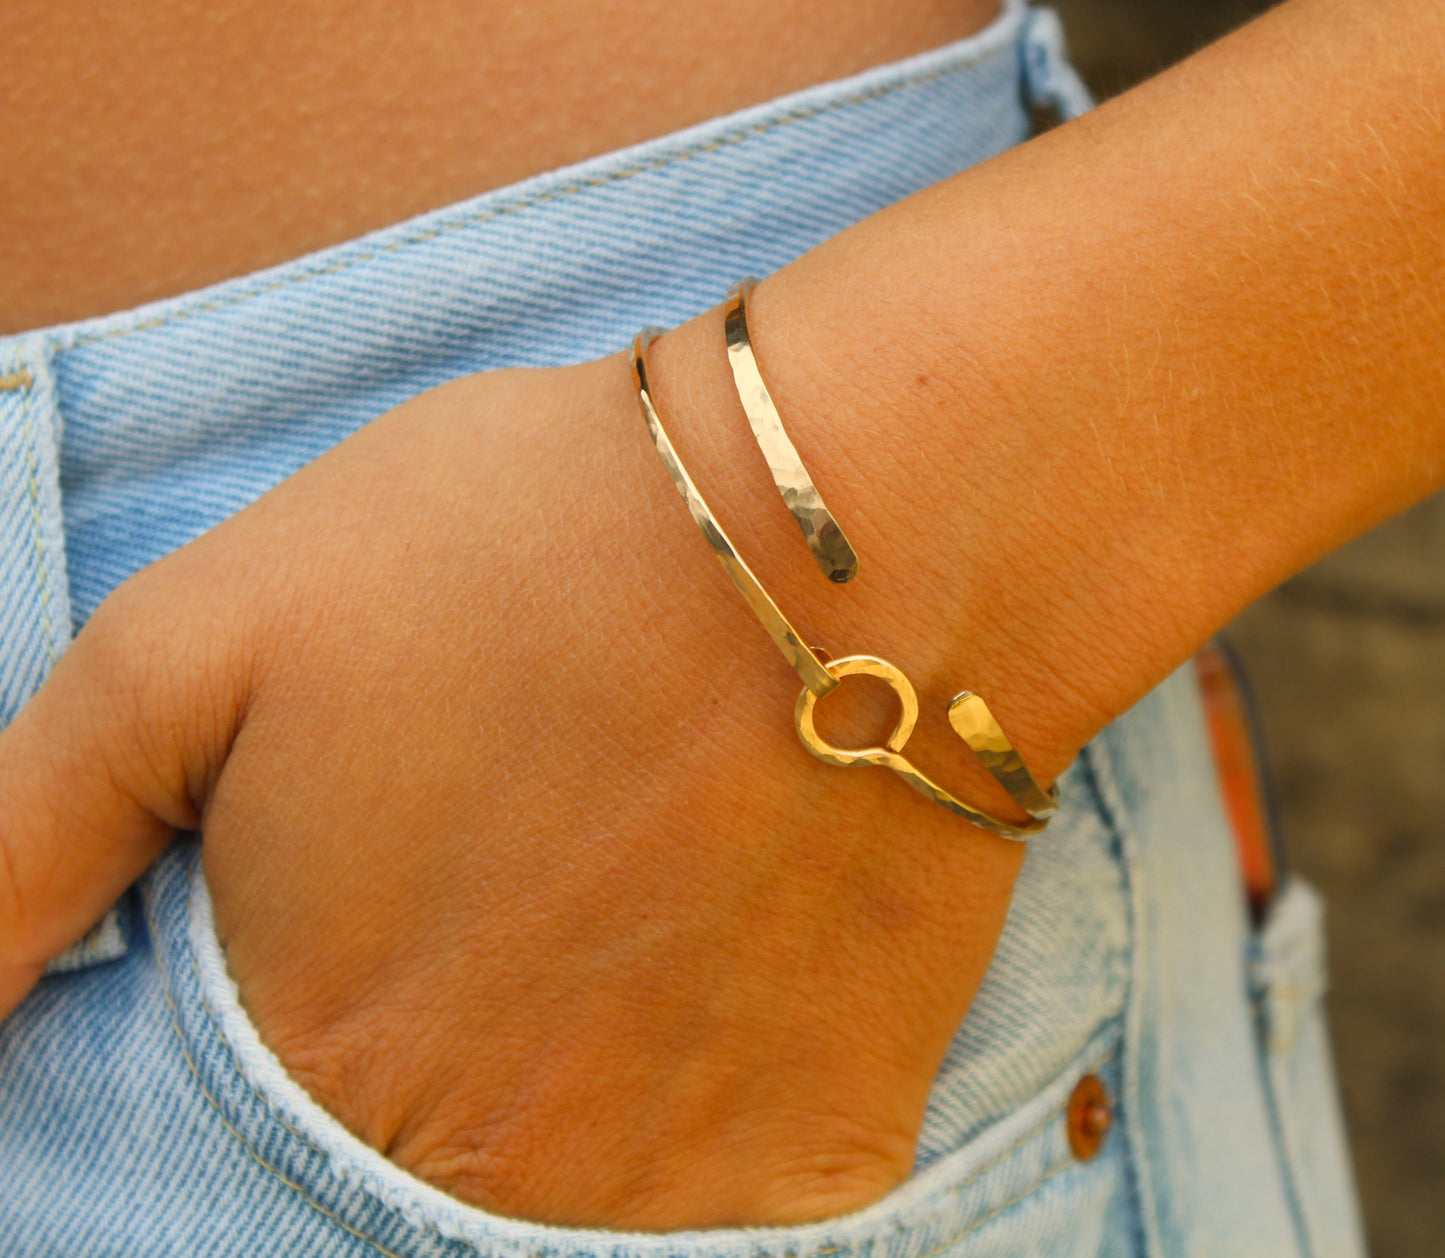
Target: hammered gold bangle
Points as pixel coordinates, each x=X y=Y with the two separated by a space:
x=968 y=714
x=831 y=549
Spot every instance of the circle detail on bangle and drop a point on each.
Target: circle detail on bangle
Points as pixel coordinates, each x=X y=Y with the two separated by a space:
x=969 y=715
x=890 y=755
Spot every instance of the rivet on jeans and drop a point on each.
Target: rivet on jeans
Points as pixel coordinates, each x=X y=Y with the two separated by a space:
x=1090 y=1116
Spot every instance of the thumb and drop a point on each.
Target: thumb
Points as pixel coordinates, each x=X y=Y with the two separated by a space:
x=111 y=756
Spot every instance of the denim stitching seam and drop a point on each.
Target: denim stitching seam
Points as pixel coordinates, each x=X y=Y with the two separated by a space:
x=215 y=1105
x=801 y=114
x=1007 y=1205
x=32 y=483
x=1115 y=811
x=213 y=1019
x=1284 y=1150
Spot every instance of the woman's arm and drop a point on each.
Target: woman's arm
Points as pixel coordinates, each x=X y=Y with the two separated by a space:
x=1079 y=406
x=513 y=848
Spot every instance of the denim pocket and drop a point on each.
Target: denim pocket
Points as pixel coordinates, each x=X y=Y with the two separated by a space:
x=140 y=1113
x=996 y=1174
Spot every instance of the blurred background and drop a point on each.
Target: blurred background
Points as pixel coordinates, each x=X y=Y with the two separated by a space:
x=1348 y=661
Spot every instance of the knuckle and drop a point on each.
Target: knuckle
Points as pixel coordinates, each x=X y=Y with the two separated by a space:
x=118 y=652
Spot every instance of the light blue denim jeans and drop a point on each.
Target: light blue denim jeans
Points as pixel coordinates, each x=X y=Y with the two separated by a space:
x=139 y=1112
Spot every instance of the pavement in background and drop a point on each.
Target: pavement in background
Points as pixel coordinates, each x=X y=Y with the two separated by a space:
x=1348 y=660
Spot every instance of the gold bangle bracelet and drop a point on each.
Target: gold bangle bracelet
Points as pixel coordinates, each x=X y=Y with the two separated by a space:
x=968 y=714
x=834 y=555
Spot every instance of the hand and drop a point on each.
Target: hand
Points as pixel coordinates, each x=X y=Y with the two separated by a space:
x=516 y=859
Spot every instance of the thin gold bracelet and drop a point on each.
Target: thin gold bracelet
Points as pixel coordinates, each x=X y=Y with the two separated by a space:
x=968 y=714
x=831 y=549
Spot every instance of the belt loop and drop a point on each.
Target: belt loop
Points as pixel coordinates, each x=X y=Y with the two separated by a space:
x=1288 y=972
x=34 y=592
x=1050 y=80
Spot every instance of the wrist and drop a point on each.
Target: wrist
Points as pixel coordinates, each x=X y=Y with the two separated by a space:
x=937 y=588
